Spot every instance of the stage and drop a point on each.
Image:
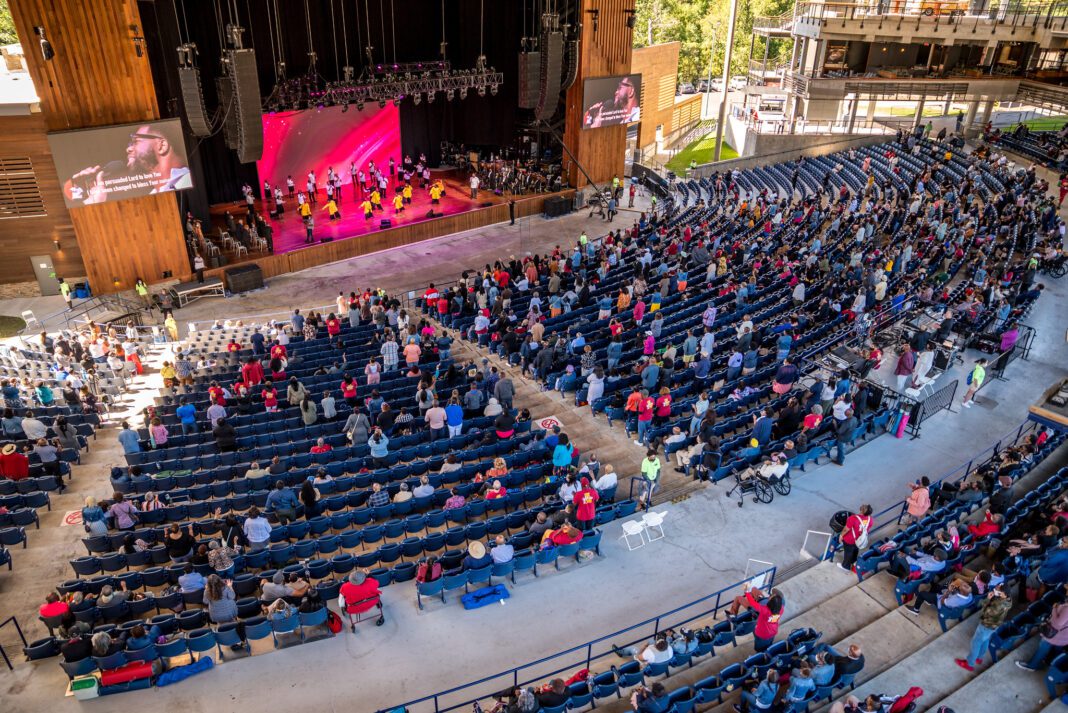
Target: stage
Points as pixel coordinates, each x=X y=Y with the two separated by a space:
x=290 y=234
x=353 y=235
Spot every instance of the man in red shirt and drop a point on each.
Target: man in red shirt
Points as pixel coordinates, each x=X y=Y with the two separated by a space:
x=321 y=446
x=855 y=536
x=233 y=346
x=359 y=594
x=252 y=372
x=646 y=407
x=585 y=500
x=53 y=606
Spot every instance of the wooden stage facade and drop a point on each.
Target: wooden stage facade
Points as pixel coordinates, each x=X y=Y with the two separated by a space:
x=302 y=257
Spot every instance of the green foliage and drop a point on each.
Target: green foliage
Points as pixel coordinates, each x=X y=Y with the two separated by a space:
x=7 y=25
x=701 y=27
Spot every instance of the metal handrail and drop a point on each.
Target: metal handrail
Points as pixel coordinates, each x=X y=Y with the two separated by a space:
x=898 y=509
x=513 y=674
x=5 y=622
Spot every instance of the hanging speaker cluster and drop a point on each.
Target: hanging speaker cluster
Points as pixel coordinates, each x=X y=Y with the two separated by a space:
x=225 y=89
x=571 y=73
x=247 y=104
x=529 y=79
x=192 y=93
x=552 y=57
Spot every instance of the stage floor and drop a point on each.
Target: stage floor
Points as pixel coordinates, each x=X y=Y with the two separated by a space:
x=289 y=233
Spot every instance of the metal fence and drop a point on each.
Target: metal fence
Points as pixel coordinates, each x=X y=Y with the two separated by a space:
x=892 y=515
x=583 y=655
x=18 y=630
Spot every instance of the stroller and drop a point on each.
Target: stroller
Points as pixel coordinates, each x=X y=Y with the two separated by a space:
x=749 y=481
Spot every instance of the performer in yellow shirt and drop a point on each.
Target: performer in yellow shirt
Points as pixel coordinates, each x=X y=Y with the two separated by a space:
x=407 y=192
x=376 y=199
x=331 y=208
x=305 y=210
x=435 y=194
x=398 y=204
x=368 y=209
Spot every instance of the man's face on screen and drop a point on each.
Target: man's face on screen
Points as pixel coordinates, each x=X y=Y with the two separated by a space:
x=623 y=92
x=142 y=151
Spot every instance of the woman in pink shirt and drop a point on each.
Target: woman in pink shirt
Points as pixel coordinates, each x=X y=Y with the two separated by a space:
x=158 y=432
x=919 y=502
x=639 y=311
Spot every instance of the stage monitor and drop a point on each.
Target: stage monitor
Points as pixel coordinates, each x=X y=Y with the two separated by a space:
x=298 y=142
x=611 y=101
x=111 y=163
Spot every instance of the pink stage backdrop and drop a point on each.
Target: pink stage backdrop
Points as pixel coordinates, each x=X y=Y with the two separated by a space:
x=300 y=141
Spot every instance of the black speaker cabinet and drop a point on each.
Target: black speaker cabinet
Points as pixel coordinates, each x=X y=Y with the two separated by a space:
x=244 y=278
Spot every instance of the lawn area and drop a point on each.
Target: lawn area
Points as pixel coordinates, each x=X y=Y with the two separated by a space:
x=702 y=151
x=10 y=326
x=928 y=111
x=1046 y=123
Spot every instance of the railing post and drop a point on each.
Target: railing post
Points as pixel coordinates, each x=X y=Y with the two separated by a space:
x=589 y=655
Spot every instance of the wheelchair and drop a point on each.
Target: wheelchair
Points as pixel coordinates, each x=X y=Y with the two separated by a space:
x=762 y=489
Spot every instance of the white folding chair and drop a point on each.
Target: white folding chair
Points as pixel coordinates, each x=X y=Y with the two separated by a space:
x=633 y=528
x=29 y=318
x=651 y=520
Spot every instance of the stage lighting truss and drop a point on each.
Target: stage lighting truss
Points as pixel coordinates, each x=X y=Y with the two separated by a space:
x=386 y=83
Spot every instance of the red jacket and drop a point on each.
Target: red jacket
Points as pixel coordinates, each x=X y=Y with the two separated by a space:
x=853 y=528
x=15 y=466
x=360 y=597
x=585 y=501
x=767 y=623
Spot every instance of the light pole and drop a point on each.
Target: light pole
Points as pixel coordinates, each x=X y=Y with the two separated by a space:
x=727 y=51
x=708 y=87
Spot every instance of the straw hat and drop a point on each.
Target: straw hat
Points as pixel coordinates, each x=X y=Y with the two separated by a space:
x=477 y=550
x=8 y=449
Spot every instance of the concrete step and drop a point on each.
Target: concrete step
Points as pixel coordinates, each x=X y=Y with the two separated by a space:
x=823 y=597
x=931 y=667
x=1002 y=687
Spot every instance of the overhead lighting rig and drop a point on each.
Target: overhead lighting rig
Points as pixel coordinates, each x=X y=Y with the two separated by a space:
x=385 y=83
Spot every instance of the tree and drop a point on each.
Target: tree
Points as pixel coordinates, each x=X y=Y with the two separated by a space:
x=701 y=28
x=8 y=36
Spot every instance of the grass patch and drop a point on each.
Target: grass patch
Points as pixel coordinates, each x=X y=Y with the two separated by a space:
x=10 y=326
x=703 y=151
x=928 y=111
x=1046 y=123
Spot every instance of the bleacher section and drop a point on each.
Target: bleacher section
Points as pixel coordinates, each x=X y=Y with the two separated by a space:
x=708 y=205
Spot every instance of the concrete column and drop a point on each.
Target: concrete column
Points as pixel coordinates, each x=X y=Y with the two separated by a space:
x=969 y=119
x=988 y=107
x=919 y=114
x=853 y=113
x=797 y=48
x=871 y=110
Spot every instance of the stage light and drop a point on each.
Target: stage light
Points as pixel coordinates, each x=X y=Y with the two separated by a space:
x=481 y=90
x=450 y=94
x=463 y=92
x=381 y=103
x=493 y=89
x=344 y=107
x=359 y=106
x=417 y=98
x=430 y=98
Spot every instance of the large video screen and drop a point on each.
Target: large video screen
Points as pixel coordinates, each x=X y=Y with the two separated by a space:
x=611 y=101
x=112 y=163
x=297 y=142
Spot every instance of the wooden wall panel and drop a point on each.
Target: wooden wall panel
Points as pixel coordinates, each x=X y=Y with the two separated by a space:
x=20 y=238
x=323 y=253
x=130 y=239
x=95 y=79
x=659 y=66
x=603 y=53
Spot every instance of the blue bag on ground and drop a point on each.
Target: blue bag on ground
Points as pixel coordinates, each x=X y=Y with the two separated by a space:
x=484 y=596
x=183 y=672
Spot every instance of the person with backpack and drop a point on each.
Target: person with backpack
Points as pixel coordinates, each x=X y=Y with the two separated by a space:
x=975 y=379
x=855 y=536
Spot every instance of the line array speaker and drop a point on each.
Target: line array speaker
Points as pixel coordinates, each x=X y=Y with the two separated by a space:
x=248 y=104
x=552 y=56
x=572 y=64
x=193 y=99
x=225 y=88
x=529 y=77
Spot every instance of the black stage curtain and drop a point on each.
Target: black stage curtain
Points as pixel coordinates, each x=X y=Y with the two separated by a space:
x=475 y=121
